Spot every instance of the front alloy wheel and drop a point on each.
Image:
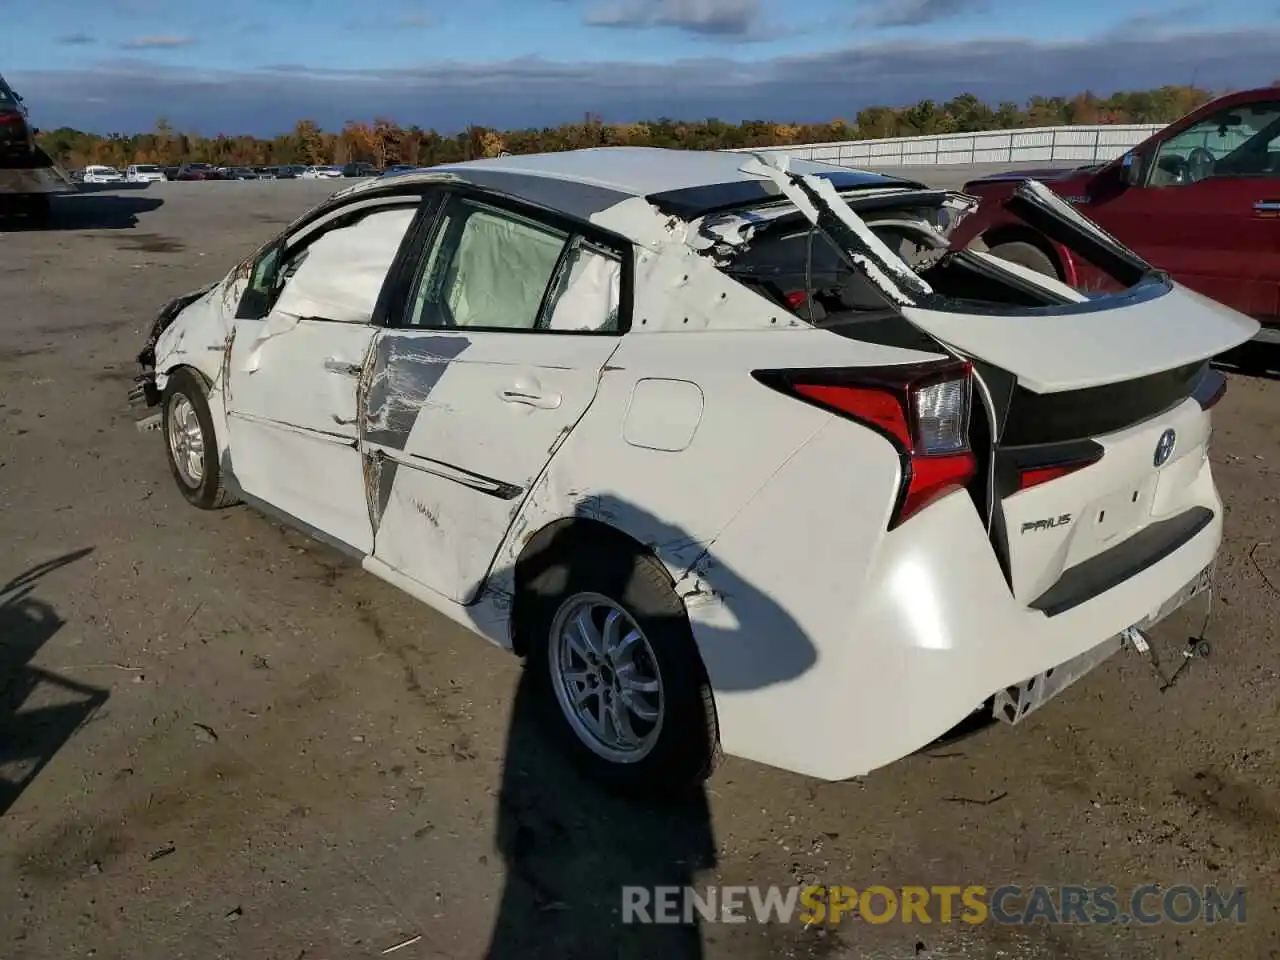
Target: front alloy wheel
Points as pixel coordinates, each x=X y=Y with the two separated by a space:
x=186 y=442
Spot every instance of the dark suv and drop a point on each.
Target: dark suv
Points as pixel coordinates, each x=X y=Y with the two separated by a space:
x=16 y=135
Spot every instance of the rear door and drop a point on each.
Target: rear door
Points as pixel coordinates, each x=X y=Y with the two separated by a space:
x=494 y=357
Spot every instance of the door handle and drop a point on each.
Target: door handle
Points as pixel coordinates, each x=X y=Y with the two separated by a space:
x=530 y=398
x=342 y=367
x=1267 y=206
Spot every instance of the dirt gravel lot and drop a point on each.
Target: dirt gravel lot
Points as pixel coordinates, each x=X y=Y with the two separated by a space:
x=218 y=739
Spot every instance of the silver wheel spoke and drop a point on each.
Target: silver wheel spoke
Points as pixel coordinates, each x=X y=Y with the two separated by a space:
x=626 y=646
x=585 y=639
x=581 y=689
x=612 y=637
x=619 y=714
x=637 y=706
x=631 y=680
x=600 y=718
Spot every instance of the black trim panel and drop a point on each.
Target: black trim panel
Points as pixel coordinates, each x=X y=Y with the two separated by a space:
x=1109 y=569
x=1209 y=389
x=467 y=478
x=1039 y=418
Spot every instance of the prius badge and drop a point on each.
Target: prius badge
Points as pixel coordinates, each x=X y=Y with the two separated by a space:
x=1164 y=447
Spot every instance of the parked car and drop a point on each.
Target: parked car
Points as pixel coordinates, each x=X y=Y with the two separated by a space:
x=197 y=171
x=290 y=171
x=328 y=172
x=17 y=137
x=359 y=170
x=96 y=173
x=241 y=173
x=1200 y=198
x=398 y=168
x=144 y=173
x=738 y=452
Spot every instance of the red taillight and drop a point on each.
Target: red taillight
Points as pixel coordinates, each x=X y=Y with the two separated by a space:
x=11 y=118
x=1038 y=475
x=1034 y=466
x=923 y=409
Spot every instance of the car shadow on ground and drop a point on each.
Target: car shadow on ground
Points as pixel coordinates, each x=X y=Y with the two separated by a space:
x=39 y=710
x=101 y=211
x=87 y=210
x=570 y=846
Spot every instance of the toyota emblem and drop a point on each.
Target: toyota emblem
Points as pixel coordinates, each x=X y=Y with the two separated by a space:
x=1164 y=448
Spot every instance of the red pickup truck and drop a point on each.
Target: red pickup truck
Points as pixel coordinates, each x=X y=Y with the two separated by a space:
x=1200 y=199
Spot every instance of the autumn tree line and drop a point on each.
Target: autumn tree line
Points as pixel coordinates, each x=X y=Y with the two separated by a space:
x=383 y=142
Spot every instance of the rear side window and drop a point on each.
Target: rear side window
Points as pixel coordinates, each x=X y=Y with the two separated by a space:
x=800 y=269
x=493 y=269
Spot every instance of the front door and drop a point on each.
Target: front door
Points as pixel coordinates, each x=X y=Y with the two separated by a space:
x=495 y=358
x=294 y=377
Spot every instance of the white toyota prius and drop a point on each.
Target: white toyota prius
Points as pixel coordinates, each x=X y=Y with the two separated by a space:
x=736 y=451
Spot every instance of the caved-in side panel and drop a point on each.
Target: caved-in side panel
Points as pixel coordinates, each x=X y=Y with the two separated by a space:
x=460 y=426
x=400 y=377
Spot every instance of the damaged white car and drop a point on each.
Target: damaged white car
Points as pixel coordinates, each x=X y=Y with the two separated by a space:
x=739 y=454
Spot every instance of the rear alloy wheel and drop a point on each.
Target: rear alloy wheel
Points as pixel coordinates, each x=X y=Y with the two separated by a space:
x=606 y=678
x=1026 y=255
x=191 y=443
x=616 y=670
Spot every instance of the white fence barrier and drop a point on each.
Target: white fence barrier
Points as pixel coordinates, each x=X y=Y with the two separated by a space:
x=1094 y=144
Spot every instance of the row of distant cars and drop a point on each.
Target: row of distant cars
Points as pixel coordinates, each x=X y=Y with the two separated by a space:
x=157 y=173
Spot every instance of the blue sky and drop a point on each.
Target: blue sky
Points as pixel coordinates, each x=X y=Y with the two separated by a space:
x=256 y=67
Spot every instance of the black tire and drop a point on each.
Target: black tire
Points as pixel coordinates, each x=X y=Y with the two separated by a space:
x=1026 y=255
x=687 y=746
x=208 y=492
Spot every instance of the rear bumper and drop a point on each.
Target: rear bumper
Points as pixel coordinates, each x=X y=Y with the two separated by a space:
x=908 y=646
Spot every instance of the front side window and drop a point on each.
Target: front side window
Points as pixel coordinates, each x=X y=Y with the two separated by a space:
x=336 y=274
x=1238 y=141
